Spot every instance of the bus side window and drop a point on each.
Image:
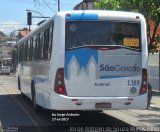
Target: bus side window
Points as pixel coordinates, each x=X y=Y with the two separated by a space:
x=28 y=50
x=41 y=45
x=33 y=48
x=50 y=41
x=23 y=49
x=46 y=44
x=22 y=45
x=36 y=46
x=20 y=53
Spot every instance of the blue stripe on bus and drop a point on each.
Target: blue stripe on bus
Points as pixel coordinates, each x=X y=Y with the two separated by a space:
x=82 y=16
x=83 y=56
x=105 y=77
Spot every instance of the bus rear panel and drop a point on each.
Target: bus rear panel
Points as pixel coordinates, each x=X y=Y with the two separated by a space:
x=103 y=63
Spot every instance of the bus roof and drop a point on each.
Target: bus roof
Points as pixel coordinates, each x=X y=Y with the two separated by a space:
x=101 y=14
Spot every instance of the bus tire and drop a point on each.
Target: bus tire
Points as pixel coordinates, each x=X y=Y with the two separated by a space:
x=34 y=101
x=149 y=95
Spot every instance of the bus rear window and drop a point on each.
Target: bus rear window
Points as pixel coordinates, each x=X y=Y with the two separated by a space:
x=102 y=33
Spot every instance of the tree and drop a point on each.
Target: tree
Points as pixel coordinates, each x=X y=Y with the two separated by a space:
x=149 y=8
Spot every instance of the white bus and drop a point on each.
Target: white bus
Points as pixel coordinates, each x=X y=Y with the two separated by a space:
x=86 y=60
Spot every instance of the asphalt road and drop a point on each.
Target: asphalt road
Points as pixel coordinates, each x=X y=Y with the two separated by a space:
x=16 y=113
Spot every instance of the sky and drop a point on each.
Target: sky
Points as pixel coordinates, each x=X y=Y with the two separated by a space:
x=13 y=14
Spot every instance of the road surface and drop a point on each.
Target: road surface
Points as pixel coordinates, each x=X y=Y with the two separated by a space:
x=16 y=113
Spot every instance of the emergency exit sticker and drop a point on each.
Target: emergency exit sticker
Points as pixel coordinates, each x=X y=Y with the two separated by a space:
x=131 y=42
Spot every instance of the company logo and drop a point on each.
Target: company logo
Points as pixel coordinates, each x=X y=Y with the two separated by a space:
x=134 y=68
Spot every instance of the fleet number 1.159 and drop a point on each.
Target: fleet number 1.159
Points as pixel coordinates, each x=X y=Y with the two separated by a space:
x=133 y=82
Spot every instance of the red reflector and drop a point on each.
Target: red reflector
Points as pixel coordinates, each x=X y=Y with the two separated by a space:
x=137 y=17
x=60 y=90
x=143 y=89
x=74 y=99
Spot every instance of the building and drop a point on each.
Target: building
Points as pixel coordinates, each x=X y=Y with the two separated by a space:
x=2 y=37
x=7 y=43
x=151 y=23
x=5 y=50
x=85 y=5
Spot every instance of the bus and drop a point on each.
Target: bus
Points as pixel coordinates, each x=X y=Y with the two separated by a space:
x=86 y=60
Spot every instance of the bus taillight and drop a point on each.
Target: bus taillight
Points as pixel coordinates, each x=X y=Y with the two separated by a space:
x=59 y=86
x=144 y=84
x=60 y=89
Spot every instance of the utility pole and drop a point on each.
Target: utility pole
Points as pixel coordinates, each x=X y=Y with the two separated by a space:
x=2 y=53
x=58 y=5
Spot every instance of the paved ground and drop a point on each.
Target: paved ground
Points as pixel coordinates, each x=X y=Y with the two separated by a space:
x=12 y=113
x=156 y=101
x=149 y=120
x=153 y=71
x=144 y=120
x=154 y=77
x=17 y=111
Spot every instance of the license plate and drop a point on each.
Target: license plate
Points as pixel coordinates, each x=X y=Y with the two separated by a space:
x=103 y=105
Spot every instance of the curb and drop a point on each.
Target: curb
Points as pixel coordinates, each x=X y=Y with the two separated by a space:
x=155 y=93
x=155 y=107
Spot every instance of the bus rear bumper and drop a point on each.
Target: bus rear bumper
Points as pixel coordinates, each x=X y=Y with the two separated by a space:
x=61 y=102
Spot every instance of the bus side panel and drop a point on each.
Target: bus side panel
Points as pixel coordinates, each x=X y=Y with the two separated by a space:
x=25 y=78
x=38 y=72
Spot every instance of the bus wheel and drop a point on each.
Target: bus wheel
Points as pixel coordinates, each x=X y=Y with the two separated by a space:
x=34 y=101
x=149 y=94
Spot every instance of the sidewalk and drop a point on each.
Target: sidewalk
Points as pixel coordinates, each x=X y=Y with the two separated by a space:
x=155 y=101
x=149 y=118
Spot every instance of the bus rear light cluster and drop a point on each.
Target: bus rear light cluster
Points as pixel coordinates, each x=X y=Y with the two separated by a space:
x=144 y=83
x=59 y=86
